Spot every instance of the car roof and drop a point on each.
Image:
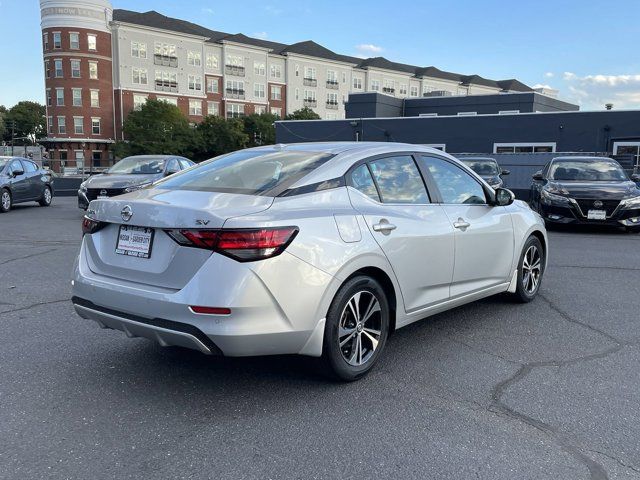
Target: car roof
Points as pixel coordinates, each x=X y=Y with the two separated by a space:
x=342 y=147
x=580 y=158
x=464 y=159
x=142 y=157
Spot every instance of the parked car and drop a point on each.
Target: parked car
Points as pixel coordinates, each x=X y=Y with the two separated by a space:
x=129 y=174
x=317 y=249
x=22 y=180
x=488 y=169
x=586 y=190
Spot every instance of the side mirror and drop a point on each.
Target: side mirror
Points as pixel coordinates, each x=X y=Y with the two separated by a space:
x=17 y=173
x=538 y=175
x=505 y=172
x=635 y=177
x=504 y=197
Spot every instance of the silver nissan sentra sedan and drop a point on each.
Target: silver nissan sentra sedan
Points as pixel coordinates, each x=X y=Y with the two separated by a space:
x=320 y=249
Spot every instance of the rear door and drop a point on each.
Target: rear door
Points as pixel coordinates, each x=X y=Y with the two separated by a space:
x=414 y=233
x=484 y=239
x=19 y=183
x=34 y=183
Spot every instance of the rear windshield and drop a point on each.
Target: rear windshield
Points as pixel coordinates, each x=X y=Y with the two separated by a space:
x=587 y=171
x=138 y=166
x=483 y=167
x=251 y=172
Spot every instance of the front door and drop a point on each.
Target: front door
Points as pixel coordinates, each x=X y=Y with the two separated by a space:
x=414 y=234
x=19 y=183
x=484 y=239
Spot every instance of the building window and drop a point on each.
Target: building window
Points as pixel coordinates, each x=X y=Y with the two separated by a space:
x=139 y=101
x=47 y=69
x=195 y=83
x=62 y=125
x=95 y=126
x=77 y=97
x=309 y=99
x=628 y=149
x=344 y=77
x=75 y=68
x=357 y=83
x=74 y=41
x=403 y=89
x=93 y=70
x=463 y=91
x=276 y=92
x=195 y=107
x=259 y=90
x=414 y=90
x=235 y=89
x=58 y=68
x=375 y=85
x=78 y=124
x=310 y=73
x=213 y=108
x=170 y=100
x=260 y=110
x=49 y=124
x=276 y=111
x=297 y=94
x=166 y=81
x=59 y=97
x=48 y=97
x=259 y=69
x=276 y=71
x=96 y=157
x=57 y=40
x=536 y=147
x=332 y=76
x=212 y=85
x=212 y=61
x=138 y=50
x=194 y=59
x=297 y=70
x=95 y=98
x=235 y=110
x=332 y=101
x=92 y=42
x=467 y=114
x=426 y=89
x=139 y=76
x=508 y=112
x=165 y=54
x=45 y=41
x=431 y=114
x=389 y=87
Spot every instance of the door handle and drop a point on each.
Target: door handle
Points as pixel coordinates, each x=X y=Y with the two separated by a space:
x=461 y=224
x=383 y=227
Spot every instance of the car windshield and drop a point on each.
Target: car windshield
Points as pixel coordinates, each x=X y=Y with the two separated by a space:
x=138 y=166
x=483 y=167
x=252 y=172
x=587 y=171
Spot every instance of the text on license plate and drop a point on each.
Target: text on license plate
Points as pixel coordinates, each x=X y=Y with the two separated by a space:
x=597 y=215
x=134 y=241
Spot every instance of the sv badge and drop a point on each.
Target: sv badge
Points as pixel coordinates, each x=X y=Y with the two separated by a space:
x=202 y=222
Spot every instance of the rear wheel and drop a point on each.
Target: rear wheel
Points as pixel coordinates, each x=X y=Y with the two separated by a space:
x=45 y=201
x=530 y=270
x=5 y=200
x=356 y=329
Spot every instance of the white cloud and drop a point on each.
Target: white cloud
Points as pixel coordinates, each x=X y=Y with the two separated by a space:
x=262 y=35
x=368 y=48
x=594 y=91
x=543 y=85
x=549 y=75
x=208 y=11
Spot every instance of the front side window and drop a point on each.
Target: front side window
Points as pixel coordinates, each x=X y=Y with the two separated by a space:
x=362 y=181
x=248 y=172
x=587 y=171
x=455 y=185
x=399 y=180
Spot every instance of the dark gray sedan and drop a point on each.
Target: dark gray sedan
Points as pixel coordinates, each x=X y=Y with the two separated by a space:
x=129 y=174
x=22 y=180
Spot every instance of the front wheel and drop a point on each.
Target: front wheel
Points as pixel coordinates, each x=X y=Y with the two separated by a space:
x=46 y=198
x=5 y=200
x=530 y=270
x=356 y=329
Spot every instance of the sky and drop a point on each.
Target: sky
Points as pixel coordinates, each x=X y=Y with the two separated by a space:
x=586 y=49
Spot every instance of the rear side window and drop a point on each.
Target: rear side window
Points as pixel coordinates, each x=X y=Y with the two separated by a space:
x=252 y=172
x=456 y=186
x=399 y=180
x=29 y=167
x=185 y=163
x=362 y=180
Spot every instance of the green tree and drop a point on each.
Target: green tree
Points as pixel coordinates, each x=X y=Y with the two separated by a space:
x=303 y=114
x=218 y=136
x=3 y=114
x=157 y=128
x=260 y=129
x=27 y=121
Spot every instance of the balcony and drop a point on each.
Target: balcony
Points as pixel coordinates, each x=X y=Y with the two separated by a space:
x=165 y=60
x=236 y=70
x=310 y=82
x=310 y=102
x=390 y=90
x=235 y=93
x=332 y=105
x=166 y=86
x=332 y=84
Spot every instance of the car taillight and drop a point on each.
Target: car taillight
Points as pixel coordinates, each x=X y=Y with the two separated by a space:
x=244 y=245
x=89 y=225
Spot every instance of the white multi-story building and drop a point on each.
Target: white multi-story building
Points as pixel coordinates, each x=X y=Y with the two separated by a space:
x=101 y=64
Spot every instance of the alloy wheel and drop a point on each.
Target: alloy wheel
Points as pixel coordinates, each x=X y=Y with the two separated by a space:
x=531 y=269
x=47 y=196
x=6 y=200
x=360 y=327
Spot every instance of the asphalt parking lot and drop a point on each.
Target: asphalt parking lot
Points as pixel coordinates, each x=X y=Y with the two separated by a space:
x=492 y=390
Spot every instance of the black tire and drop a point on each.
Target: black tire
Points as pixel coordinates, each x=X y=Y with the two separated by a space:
x=5 y=205
x=633 y=229
x=346 y=362
x=45 y=200
x=530 y=279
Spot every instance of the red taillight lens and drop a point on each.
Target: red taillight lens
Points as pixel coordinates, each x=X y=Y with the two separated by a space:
x=90 y=225
x=244 y=245
x=210 y=310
